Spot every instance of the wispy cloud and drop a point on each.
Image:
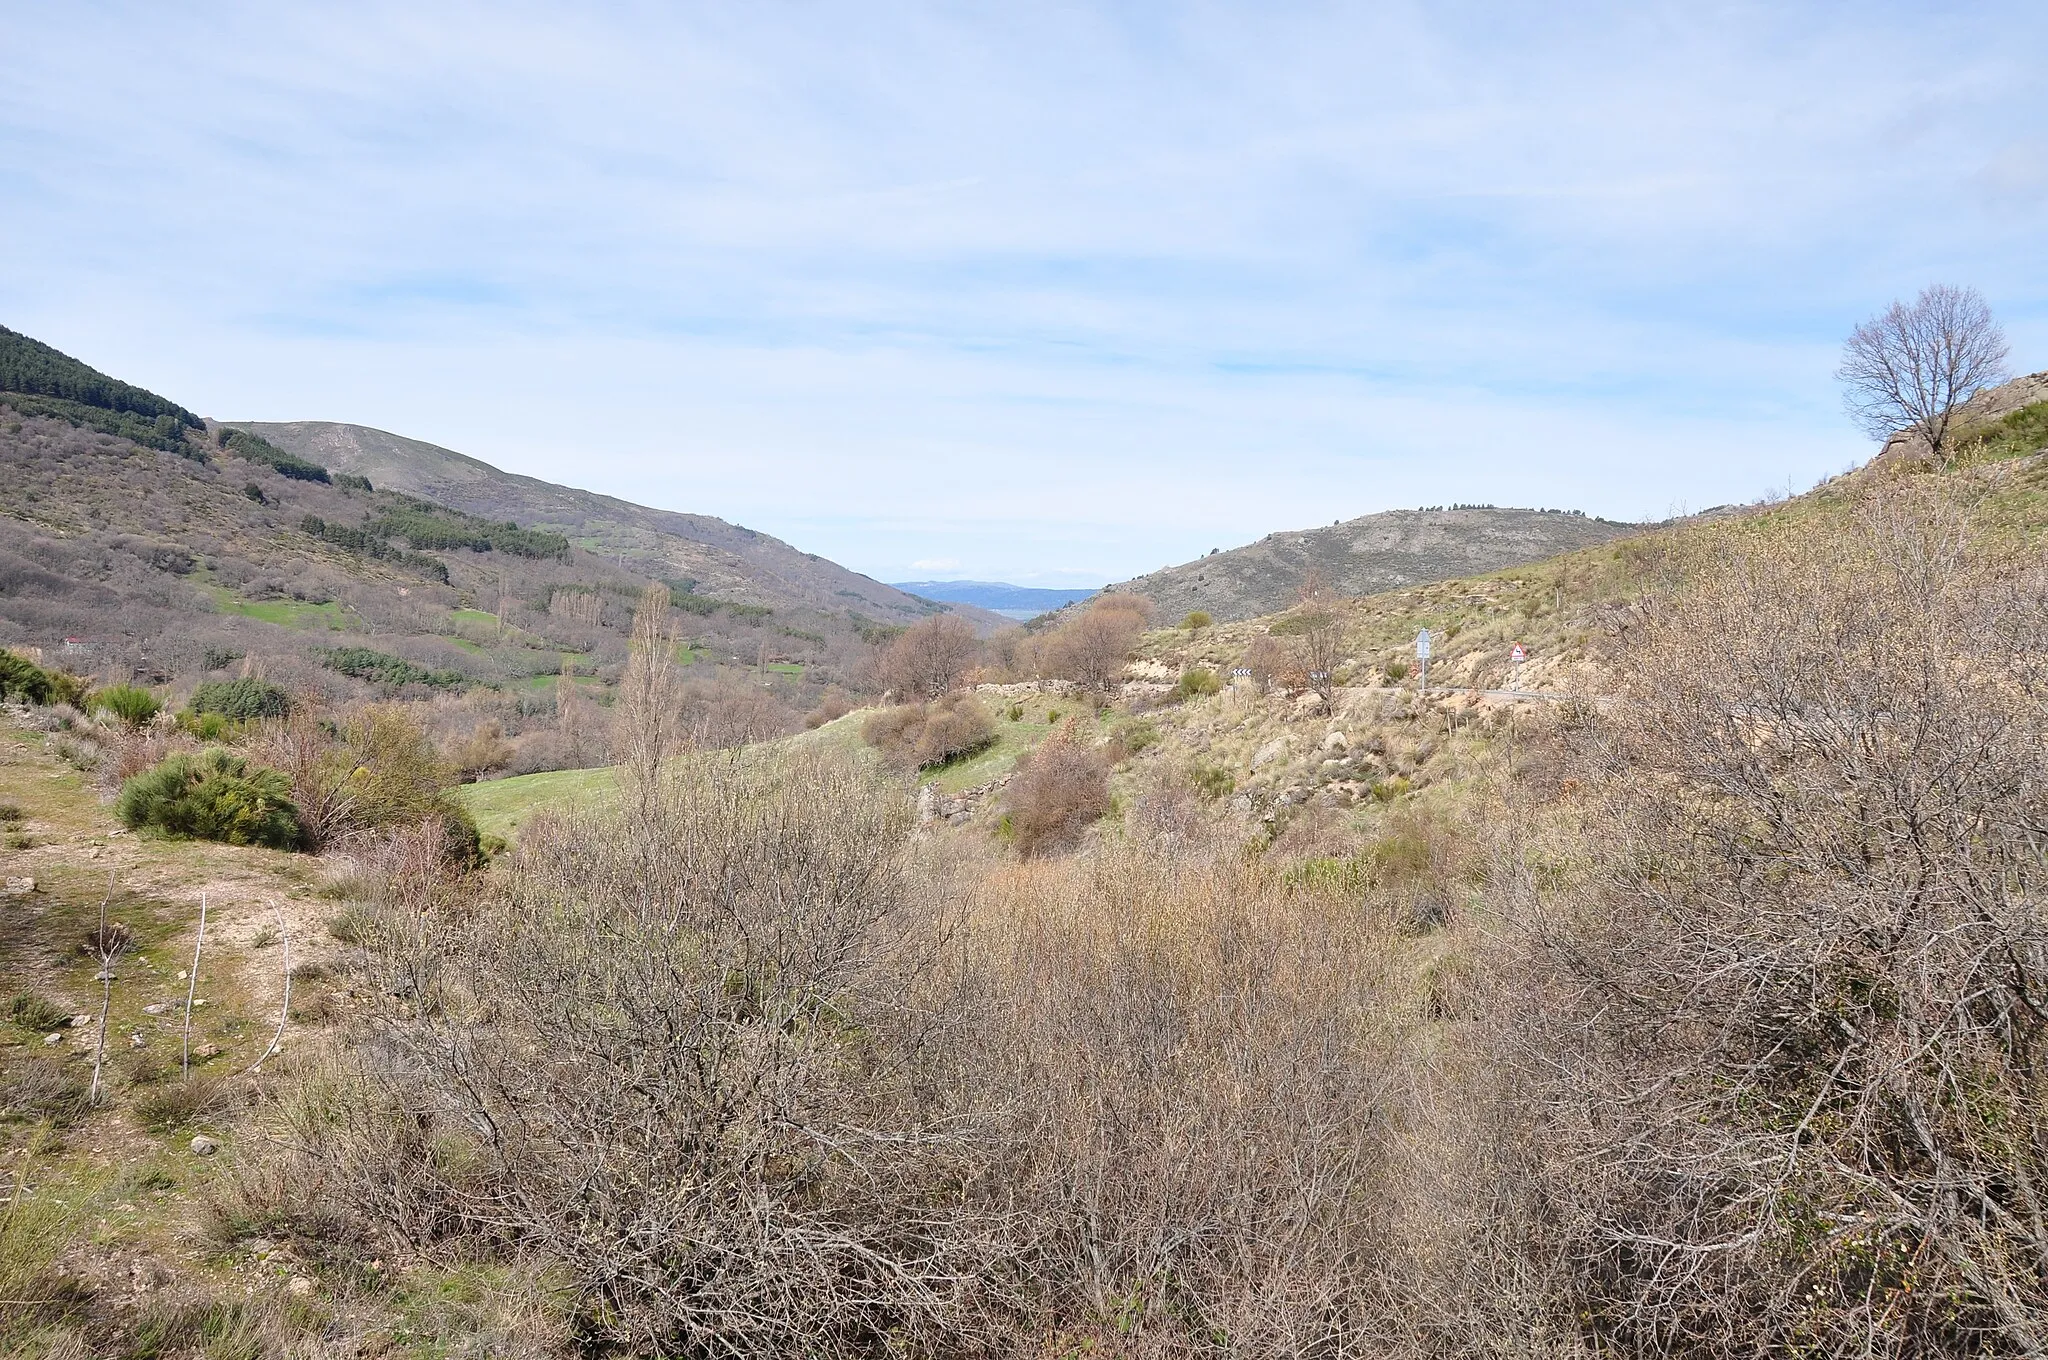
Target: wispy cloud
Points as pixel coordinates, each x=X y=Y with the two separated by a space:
x=1102 y=286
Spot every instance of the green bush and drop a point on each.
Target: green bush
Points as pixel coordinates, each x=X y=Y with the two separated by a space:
x=213 y=796
x=1197 y=619
x=1195 y=682
x=206 y=726
x=364 y=663
x=25 y=682
x=132 y=704
x=1397 y=671
x=1212 y=781
x=242 y=699
x=34 y=1011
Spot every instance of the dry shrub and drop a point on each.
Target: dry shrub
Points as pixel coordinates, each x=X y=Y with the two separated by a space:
x=42 y=1090
x=1186 y=1062
x=1788 y=1037
x=483 y=751
x=170 y=1107
x=1058 y=792
x=833 y=705
x=676 y=1057
x=725 y=713
x=129 y=751
x=920 y=736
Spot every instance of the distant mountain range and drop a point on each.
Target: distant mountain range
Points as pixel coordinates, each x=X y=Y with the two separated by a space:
x=1015 y=602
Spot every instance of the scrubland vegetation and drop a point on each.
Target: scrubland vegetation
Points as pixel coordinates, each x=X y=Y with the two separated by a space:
x=1095 y=988
x=1699 y=1016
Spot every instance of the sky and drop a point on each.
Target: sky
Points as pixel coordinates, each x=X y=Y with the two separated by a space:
x=1047 y=294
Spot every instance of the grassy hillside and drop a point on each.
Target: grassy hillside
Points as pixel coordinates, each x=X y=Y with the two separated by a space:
x=1365 y=556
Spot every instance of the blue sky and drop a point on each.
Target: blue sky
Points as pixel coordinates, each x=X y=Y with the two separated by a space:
x=1044 y=294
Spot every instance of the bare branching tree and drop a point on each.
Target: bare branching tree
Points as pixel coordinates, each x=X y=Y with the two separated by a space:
x=1910 y=368
x=1321 y=629
x=1092 y=648
x=648 y=720
x=929 y=658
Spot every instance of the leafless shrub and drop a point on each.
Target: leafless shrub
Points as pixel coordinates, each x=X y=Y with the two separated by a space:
x=483 y=751
x=1057 y=793
x=1788 y=1041
x=673 y=1059
x=1186 y=1065
x=834 y=704
x=919 y=736
x=726 y=712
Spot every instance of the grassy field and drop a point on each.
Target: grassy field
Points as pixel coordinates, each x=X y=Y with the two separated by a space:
x=500 y=805
x=284 y=613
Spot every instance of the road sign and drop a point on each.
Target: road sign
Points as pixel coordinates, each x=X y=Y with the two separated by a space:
x=1422 y=645
x=1318 y=675
x=1240 y=672
x=1519 y=654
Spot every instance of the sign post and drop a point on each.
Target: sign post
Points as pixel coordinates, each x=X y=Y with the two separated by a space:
x=1422 y=658
x=1516 y=658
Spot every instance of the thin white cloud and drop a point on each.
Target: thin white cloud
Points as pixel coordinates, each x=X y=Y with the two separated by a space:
x=1105 y=286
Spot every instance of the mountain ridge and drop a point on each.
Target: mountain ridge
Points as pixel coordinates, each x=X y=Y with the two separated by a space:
x=1367 y=555
x=724 y=559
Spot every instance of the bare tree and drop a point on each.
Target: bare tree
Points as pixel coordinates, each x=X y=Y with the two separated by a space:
x=1911 y=367
x=929 y=658
x=1316 y=622
x=648 y=723
x=1093 y=648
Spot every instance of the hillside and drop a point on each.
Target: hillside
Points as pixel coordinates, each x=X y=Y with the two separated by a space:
x=1365 y=556
x=725 y=560
x=141 y=542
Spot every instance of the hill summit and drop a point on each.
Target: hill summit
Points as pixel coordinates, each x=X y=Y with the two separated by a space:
x=1367 y=555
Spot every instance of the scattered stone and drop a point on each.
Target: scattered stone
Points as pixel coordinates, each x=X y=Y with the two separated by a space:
x=20 y=886
x=1336 y=741
x=204 y=1146
x=92 y=852
x=80 y=1021
x=156 y=1008
x=136 y=1040
x=300 y=1287
x=206 y=1051
x=1270 y=752
x=49 y=1039
x=198 y=1001
x=182 y=975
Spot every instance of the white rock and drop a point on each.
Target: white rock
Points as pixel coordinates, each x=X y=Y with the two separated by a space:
x=1270 y=752
x=1336 y=741
x=204 y=1146
x=300 y=1287
x=49 y=1039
